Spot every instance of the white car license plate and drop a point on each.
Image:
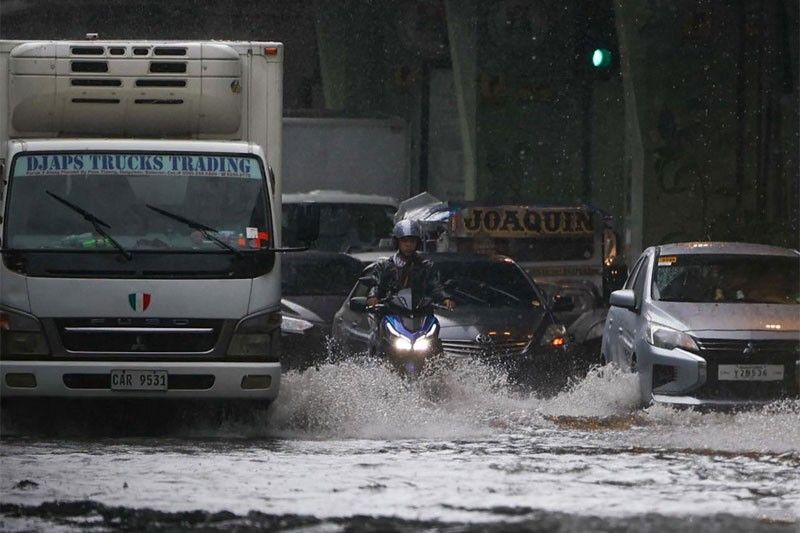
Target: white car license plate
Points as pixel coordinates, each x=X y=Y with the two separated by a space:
x=139 y=380
x=750 y=372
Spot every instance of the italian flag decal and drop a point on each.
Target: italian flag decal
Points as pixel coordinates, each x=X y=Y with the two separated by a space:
x=139 y=301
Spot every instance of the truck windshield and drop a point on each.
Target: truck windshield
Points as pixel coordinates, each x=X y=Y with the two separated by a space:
x=343 y=227
x=727 y=279
x=127 y=193
x=521 y=249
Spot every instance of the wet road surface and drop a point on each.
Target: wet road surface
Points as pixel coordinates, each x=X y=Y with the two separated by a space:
x=352 y=446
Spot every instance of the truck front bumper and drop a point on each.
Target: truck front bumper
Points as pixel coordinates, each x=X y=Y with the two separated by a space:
x=185 y=380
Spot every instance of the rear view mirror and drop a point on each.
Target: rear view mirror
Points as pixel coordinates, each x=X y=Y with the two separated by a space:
x=358 y=304
x=307 y=221
x=623 y=298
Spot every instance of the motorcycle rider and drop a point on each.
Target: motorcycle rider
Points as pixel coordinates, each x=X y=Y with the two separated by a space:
x=407 y=269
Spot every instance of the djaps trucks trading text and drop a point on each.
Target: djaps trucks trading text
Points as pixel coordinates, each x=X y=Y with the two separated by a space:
x=139 y=219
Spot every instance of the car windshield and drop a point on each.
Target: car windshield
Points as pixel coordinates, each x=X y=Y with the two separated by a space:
x=143 y=201
x=343 y=227
x=489 y=284
x=727 y=279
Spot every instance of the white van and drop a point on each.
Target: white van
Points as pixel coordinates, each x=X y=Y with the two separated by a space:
x=139 y=219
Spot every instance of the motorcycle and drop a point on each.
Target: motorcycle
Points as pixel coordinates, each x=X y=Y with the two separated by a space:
x=407 y=332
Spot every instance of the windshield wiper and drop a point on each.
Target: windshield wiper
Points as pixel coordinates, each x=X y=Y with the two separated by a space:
x=508 y=295
x=95 y=222
x=202 y=228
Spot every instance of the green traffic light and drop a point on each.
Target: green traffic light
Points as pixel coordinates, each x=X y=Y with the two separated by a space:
x=601 y=58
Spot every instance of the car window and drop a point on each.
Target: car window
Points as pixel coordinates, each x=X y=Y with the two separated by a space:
x=727 y=278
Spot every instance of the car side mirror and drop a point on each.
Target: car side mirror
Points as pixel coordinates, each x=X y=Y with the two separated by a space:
x=358 y=304
x=563 y=303
x=623 y=298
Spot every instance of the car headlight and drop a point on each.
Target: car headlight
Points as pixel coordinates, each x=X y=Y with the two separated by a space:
x=668 y=338
x=253 y=334
x=21 y=334
x=555 y=335
x=296 y=325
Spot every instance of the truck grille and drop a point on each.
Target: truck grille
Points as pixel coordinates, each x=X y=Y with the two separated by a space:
x=474 y=348
x=139 y=336
x=745 y=352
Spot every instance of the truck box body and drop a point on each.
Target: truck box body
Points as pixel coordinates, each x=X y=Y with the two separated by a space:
x=139 y=219
x=355 y=155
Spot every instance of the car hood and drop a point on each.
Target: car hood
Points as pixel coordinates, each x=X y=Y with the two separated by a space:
x=467 y=321
x=704 y=317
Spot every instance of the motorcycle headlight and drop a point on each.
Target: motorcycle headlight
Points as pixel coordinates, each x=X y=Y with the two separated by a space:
x=253 y=335
x=402 y=344
x=422 y=344
x=21 y=334
x=668 y=338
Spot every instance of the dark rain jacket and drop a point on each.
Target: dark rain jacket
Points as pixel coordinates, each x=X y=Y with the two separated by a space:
x=418 y=274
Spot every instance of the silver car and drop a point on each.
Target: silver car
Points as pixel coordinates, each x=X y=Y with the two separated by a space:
x=709 y=324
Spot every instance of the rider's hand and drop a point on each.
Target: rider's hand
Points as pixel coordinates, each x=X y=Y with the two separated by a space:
x=449 y=303
x=372 y=300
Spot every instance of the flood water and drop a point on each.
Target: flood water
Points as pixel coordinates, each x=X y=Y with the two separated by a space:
x=351 y=446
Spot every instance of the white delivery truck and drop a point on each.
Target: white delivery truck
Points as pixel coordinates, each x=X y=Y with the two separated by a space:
x=140 y=206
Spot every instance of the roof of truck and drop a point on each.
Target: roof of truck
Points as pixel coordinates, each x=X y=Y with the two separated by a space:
x=137 y=145
x=338 y=197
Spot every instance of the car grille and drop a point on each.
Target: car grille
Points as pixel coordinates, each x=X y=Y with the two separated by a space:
x=139 y=336
x=720 y=352
x=474 y=348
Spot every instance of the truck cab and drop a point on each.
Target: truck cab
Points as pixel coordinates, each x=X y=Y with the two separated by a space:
x=139 y=224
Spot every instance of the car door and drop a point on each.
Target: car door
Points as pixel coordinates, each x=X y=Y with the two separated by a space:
x=353 y=326
x=628 y=322
x=611 y=348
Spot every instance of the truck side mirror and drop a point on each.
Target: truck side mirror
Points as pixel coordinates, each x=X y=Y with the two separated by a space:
x=307 y=224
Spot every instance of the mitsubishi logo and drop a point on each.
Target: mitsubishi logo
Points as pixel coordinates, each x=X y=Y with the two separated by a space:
x=483 y=338
x=138 y=346
x=749 y=349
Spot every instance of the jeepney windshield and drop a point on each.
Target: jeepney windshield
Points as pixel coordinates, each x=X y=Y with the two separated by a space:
x=130 y=196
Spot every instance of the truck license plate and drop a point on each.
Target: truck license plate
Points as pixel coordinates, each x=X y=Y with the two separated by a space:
x=139 y=380
x=750 y=372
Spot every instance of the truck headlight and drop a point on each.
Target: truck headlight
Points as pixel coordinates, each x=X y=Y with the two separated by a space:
x=668 y=338
x=21 y=334
x=253 y=334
